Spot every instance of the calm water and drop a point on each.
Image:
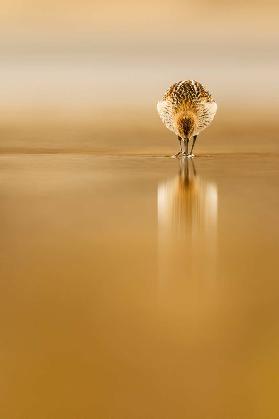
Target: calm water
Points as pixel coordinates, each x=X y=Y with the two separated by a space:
x=139 y=287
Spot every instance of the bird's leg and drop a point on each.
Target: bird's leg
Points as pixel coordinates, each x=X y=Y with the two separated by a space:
x=185 y=147
x=180 y=140
x=193 y=144
x=178 y=154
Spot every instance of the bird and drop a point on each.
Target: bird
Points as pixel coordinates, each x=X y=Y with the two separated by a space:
x=186 y=109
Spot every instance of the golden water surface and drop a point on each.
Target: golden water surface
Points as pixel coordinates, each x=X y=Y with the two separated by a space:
x=139 y=287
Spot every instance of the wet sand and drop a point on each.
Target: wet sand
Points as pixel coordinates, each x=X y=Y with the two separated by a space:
x=137 y=287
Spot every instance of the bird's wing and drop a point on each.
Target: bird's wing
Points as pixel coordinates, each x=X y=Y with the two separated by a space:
x=165 y=111
x=206 y=113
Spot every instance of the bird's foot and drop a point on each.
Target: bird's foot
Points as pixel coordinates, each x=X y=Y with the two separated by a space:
x=176 y=155
x=189 y=156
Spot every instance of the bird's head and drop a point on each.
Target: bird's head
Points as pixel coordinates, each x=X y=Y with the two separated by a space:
x=186 y=124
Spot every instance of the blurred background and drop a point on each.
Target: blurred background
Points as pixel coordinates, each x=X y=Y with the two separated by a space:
x=136 y=286
x=87 y=75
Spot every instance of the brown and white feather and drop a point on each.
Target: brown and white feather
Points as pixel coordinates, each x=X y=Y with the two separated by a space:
x=187 y=100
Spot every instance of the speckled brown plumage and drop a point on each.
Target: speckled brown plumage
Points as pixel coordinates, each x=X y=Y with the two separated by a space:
x=187 y=108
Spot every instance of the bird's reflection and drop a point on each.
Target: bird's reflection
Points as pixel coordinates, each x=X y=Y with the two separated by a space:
x=187 y=224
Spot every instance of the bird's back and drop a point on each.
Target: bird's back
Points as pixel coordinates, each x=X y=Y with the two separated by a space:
x=189 y=91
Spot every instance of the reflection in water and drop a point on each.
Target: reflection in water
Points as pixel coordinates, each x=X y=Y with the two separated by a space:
x=187 y=223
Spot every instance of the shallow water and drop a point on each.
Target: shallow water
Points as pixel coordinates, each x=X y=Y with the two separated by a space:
x=139 y=287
